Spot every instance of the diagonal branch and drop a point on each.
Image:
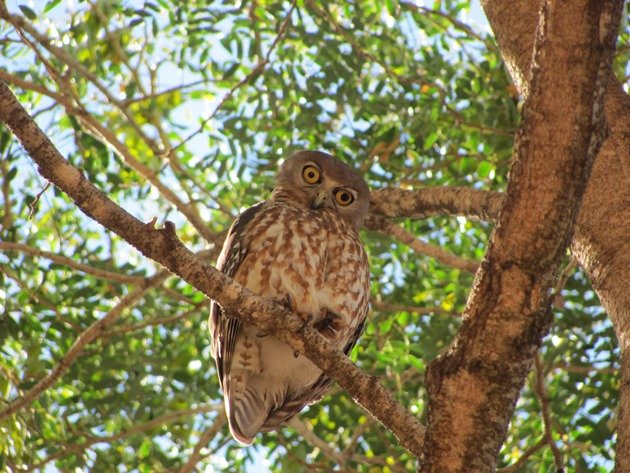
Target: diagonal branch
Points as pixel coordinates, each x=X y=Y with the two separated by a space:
x=20 y=23
x=514 y=467
x=386 y=226
x=163 y=246
x=204 y=440
x=85 y=268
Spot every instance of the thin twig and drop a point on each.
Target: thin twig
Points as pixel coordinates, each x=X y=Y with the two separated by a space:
x=160 y=93
x=33 y=204
x=585 y=370
x=28 y=85
x=254 y=73
x=387 y=307
x=523 y=458
x=491 y=46
x=203 y=441
x=152 y=322
x=386 y=226
x=21 y=24
x=77 y=448
x=543 y=398
x=33 y=293
x=311 y=437
x=85 y=268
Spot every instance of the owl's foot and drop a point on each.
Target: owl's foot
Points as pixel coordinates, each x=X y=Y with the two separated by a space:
x=306 y=321
x=330 y=325
x=287 y=303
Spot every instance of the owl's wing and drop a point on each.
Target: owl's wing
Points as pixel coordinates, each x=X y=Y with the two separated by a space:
x=224 y=329
x=314 y=393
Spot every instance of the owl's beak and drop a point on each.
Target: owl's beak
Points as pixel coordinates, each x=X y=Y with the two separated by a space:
x=319 y=201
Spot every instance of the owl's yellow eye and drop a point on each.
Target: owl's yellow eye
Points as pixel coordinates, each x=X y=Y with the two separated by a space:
x=311 y=174
x=343 y=197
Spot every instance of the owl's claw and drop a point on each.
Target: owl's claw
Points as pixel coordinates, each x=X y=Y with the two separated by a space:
x=306 y=321
x=329 y=325
x=287 y=303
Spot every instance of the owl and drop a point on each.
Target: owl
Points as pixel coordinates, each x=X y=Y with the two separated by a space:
x=300 y=248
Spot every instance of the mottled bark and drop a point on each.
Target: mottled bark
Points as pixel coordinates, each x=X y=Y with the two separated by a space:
x=601 y=242
x=163 y=246
x=421 y=203
x=473 y=388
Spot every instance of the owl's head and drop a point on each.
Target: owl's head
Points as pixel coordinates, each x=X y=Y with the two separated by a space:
x=317 y=180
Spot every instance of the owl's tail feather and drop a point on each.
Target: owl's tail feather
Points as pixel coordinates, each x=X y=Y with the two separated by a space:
x=249 y=407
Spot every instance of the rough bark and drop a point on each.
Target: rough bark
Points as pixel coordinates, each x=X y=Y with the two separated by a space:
x=473 y=388
x=421 y=203
x=601 y=242
x=163 y=246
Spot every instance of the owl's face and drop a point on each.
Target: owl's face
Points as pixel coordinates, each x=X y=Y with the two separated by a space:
x=317 y=180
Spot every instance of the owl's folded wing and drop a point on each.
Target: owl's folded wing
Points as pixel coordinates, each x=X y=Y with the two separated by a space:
x=224 y=329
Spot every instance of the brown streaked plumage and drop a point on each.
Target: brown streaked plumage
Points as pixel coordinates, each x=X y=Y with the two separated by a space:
x=301 y=247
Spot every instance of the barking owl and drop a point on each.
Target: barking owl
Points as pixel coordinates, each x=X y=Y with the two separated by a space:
x=301 y=248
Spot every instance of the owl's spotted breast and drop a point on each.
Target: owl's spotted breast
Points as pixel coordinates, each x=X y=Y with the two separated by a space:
x=312 y=257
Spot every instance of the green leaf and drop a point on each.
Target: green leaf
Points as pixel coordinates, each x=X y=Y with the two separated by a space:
x=12 y=173
x=51 y=4
x=484 y=168
x=30 y=14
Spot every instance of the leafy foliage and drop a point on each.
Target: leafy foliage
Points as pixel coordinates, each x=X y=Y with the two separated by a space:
x=203 y=101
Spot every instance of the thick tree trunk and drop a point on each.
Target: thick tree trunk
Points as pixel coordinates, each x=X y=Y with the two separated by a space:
x=473 y=388
x=601 y=241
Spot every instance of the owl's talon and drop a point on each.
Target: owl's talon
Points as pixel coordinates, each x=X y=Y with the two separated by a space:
x=288 y=303
x=329 y=325
x=306 y=320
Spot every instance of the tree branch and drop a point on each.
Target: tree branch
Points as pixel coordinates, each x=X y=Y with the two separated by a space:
x=514 y=467
x=473 y=388
x=421 y=203
x=601 y=239
x=69 y=60
x=163 y=246
x=387 y=307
